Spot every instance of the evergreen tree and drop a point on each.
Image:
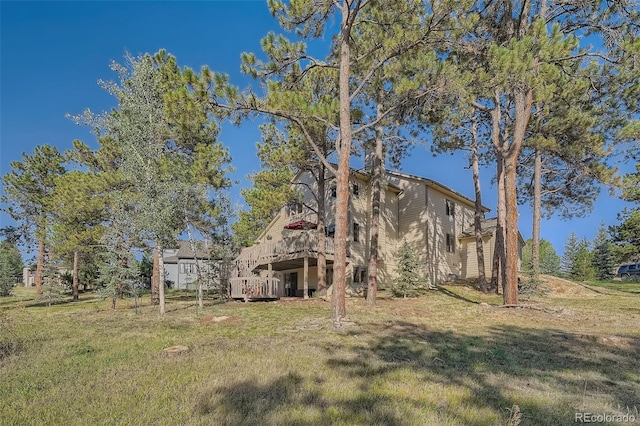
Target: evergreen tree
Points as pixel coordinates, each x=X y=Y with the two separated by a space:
x=571 y=247
x=549 y=259
x=54 y=288
x=28 y=189
x=528 y=62
x=626 y=235
x=281 y=158
x=81 y=204
x=603 y=259
x=399 y=27
x=10 y=266
x=582 y=268
x=408 y=282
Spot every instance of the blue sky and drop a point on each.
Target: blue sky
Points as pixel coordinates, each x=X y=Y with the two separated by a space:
x=53 y=53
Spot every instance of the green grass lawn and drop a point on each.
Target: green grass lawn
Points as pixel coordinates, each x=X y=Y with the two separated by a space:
x=448 y=358
x=627 y=286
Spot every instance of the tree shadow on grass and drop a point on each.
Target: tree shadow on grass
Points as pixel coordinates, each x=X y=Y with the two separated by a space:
x=400 y=373
x=455 y=295
x=530 y=361
x=292 y=400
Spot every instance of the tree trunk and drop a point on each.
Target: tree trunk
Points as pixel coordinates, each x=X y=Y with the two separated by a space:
x=75 y=275
x=522 y=111
x=477 y=219
x=160 y=279
x=510 y=285
x=322 y=238
x=378 y=170
x=198 y=272
x=499 y=257
x=155 y=277
x=537 y=207
x=338 y=310
x=40 y=267
x=498 y=273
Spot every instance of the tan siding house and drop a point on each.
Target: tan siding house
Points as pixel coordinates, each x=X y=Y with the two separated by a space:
x=435 y=220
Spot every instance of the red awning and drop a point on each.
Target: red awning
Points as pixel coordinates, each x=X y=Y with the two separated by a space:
x=301 y=224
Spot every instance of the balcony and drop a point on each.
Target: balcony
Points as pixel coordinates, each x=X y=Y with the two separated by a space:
x=295 y=246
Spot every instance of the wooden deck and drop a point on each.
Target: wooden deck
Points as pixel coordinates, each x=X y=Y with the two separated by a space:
x=303 y=244
x=254 y=288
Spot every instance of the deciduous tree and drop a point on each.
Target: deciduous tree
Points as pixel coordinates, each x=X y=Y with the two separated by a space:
x=169 y=156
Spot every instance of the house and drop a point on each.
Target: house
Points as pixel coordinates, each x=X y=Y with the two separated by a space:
x=181 y=266
x=469 y=256
x=434 y=219
x=28 y=277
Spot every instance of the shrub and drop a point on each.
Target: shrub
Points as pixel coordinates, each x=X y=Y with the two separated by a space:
x=408 y=283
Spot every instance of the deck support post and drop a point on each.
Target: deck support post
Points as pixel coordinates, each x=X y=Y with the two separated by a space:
x=306 y=278
x=270 y=270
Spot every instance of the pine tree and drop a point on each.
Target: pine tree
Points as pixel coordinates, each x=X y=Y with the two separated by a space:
x=549 y=260
x=10 y=266
x=28 y=189
x=603 y=260
x=526 y=62
x=571 y=247
x=582 y=268
x=400 y=27
x=81 y=204
x=626 y=235
x=408 y=282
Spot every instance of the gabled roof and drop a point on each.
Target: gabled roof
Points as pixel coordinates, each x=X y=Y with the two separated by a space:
x=184 y=251
x=488 y=227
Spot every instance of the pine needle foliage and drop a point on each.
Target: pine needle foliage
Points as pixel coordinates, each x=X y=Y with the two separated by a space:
x=408 y=282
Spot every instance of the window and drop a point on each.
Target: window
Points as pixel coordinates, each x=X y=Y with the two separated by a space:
x=333 y=192
x=451 y=243
x=293 y=208
x=187 y=268
x=331 y=231
x=356 y=232
x=450 y=208
x=359 y=274
x=356 y=190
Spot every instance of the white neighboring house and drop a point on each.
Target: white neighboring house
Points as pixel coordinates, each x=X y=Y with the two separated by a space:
x=181 y=267
x=28 y=277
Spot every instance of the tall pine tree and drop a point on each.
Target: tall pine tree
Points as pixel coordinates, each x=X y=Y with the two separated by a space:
x=603 y=259
x=28 y=190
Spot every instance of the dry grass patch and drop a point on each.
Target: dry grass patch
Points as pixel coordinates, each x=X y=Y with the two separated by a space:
x=448 y=358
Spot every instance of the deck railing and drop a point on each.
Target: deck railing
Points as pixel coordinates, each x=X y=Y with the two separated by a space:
x=254 y=288
x=305 y=242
